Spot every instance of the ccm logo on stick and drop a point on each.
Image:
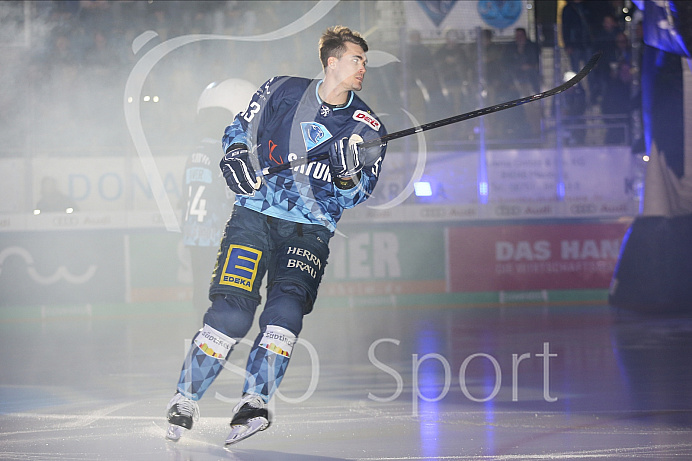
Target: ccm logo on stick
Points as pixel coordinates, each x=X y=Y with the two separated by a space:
x=364 y=117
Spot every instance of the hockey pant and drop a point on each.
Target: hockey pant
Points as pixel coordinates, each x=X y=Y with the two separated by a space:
x=295 y=258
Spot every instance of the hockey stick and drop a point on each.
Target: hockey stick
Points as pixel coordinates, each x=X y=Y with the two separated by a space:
x=447 y=121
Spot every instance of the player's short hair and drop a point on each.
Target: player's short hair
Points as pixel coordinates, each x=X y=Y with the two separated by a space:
x=333 y=42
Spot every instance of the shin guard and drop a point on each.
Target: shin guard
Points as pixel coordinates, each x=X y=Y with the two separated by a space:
x=268 y=360
x=204 y=361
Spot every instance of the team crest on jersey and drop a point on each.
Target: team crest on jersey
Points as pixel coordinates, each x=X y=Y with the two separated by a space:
x=366 y=118
x=314 y=134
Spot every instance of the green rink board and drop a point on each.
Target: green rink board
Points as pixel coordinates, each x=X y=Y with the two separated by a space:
x=422 y=301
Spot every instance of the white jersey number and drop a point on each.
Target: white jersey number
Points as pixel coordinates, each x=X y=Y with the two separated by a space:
x=376 y=167
x=198 y=205
x=252 y=110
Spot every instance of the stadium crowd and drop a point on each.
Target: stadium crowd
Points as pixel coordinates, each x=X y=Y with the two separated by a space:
x=69 y=76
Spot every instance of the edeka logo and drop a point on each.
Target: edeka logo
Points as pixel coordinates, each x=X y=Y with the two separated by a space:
x=240 y=267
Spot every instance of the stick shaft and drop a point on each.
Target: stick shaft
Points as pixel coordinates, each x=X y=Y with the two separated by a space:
x=448 y=121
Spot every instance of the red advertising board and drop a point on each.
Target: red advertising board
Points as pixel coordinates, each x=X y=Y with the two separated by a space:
x=533 y=257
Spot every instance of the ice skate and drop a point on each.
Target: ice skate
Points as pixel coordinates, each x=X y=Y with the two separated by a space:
x=182 y=413
x=250 y=417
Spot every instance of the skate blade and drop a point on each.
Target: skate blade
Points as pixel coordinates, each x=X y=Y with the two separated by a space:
x=174 y=432
x=243 y=431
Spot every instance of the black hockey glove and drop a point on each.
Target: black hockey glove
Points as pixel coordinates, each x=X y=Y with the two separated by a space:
x=346 y=158
x=238 y=171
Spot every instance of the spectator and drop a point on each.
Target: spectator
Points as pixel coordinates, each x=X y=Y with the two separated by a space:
x=424 y=87
x=522 y=59
x=491 y=55
x=617 y=101
x=605 y=39
x=453 y=69
x=522 y=65
x=576 y=33
x=605 y=42
x=623 y=49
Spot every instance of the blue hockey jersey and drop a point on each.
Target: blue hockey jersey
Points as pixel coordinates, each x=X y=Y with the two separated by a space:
x=285 y=120
x=206 y=199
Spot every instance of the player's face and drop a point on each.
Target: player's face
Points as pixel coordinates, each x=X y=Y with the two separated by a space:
x=350 y=68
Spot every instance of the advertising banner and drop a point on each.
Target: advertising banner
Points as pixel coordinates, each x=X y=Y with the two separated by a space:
x=385 y=261
x=113 y=192
x=60 y=267
x=433 y=18
x=109 y=183
x=533 y=257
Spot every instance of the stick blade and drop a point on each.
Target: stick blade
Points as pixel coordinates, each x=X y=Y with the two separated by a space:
x=588 y=67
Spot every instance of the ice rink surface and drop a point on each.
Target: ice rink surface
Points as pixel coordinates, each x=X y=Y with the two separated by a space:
x=540 y=382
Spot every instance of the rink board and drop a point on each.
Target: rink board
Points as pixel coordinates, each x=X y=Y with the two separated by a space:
x=438 y=263
x=114 y=192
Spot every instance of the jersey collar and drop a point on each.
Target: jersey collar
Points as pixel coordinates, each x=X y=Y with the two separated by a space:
x=333 y=107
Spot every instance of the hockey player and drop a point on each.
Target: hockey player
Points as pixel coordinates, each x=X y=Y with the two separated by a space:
x=207 y=204
x=281 y=224
x=206 y=200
